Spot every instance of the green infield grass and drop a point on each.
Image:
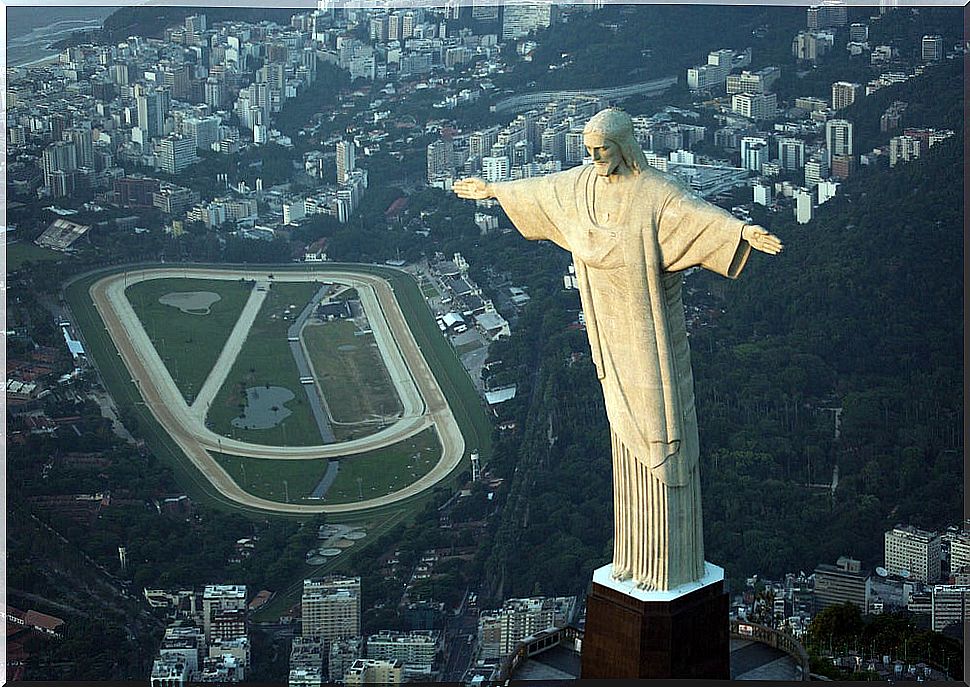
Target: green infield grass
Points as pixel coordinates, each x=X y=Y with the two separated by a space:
x=350 y=370
x=379 y=472
x=22 y=252
x=376 y=473
x=266 y=361
x=188 y=341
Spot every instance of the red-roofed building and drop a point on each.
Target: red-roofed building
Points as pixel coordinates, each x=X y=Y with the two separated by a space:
x=42 y=622
x=394 y=211
x=261 y=599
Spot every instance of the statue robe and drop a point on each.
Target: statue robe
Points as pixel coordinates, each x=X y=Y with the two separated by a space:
x=628 y=275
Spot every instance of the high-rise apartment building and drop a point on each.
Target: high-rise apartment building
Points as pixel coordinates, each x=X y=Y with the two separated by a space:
x=838 y=138
x=519 y=20
x=439 y=160
x=759 y=81
x=496 y=168
x=754 y=152
x=756 y=106
x=932 y=48
x=220 y=597
x=811 y=45
x=844 y=93
x=60 y=156
x=214 y=93
x=858 y=33
x=828 y=14
x=816 y=169
x=762 y=194
x=482 y=11
x=331 y=608
x=500 y=630
x=791 y=152
x=346 y=160
x=915 y=551
x=960 y=553
x=950 y=606
x=480 y=142
x=903 y=149
x=804 y=206
x=417 y=649
x=83 y=143
x=203 y=131
x=175 y=153
x=842 y=583
x=152 y=107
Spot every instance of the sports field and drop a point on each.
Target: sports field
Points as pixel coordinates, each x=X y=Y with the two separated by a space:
x=363 y=476
x=399 y=462
x=266 y=361
x=188 y=339
x=353 y=377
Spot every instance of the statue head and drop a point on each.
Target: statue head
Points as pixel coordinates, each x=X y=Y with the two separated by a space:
x=615 y=125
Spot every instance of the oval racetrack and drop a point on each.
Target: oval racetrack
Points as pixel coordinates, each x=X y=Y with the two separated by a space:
x=423 y=400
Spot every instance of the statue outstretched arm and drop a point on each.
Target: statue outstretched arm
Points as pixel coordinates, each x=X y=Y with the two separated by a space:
x=761 y=239
x=473 y=188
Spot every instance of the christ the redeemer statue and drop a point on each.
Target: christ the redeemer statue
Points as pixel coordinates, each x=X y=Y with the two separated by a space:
x=632 y=230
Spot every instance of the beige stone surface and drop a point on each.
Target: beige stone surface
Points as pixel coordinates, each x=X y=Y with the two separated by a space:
x=632 y=230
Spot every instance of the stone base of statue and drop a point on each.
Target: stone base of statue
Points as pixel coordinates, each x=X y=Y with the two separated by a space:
x=680 y=633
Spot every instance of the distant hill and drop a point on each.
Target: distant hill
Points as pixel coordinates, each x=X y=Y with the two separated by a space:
x=151 y=21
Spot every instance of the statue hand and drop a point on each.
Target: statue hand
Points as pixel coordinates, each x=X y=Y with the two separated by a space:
x=761 y=239
x=472 y=188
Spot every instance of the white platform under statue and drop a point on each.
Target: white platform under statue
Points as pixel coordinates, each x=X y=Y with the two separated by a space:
x=681 y=632
x=603 y=576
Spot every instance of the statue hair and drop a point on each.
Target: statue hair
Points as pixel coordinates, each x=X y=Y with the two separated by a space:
x=617 y=126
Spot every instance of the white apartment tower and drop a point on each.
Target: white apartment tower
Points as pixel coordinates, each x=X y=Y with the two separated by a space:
x=791 y=152
x=932 y=48
x=903 y=149
x=175 y=153
x=221 y=597
x=844 y=94
x=346 y=160
x=439 y=160
x=816 y=169
x=915 y=551
x=838 y=138
x=519 y=20
x=754 y=152
x=331 y=608
x=803 y=205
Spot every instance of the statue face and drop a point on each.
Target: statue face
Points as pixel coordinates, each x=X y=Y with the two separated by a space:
x=605 y=153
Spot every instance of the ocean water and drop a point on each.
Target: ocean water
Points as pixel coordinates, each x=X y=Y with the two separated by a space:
x=31 y=29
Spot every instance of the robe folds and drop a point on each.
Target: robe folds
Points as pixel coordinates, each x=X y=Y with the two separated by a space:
x=628 y=273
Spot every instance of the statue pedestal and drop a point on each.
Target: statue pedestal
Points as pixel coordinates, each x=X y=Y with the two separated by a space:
x=679 y=633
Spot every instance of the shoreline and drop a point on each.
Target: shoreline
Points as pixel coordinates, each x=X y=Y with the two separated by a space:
x=36 y=64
